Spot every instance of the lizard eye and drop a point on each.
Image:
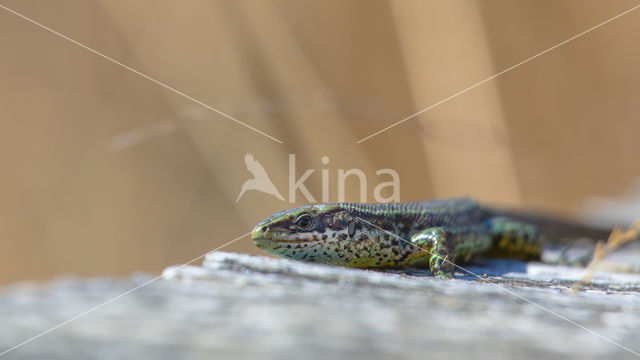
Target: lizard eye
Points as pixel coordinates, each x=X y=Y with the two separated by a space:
x=304 y=221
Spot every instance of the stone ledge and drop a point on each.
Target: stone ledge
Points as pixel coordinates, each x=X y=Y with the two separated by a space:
x=240 y=306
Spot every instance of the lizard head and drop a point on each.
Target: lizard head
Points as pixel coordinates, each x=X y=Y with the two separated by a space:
x=316 y=233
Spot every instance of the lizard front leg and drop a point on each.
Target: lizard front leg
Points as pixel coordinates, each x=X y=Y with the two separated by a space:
x=439 y=249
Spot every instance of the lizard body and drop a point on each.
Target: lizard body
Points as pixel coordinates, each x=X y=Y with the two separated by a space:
x=430 y=234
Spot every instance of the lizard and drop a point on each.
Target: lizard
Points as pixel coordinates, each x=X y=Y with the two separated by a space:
x=430 y=235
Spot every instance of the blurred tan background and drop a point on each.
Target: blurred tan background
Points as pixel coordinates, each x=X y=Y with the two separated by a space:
x=104 y=172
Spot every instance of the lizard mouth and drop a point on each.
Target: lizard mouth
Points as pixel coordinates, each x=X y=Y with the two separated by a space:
x=259 y=238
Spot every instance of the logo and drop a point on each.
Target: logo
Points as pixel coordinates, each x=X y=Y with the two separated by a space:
x=263 y=183
x=260 y=181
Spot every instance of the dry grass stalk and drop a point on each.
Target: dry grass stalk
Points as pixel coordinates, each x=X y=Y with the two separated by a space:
x=617 y=238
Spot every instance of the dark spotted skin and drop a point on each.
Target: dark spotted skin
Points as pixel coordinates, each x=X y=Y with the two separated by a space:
x=430 y=235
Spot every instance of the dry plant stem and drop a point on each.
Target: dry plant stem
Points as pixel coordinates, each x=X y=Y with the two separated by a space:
x=617 y=238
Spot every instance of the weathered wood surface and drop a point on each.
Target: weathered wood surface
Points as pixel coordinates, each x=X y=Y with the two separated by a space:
x=238 y=306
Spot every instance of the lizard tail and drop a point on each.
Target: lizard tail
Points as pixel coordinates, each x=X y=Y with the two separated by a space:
x=514 y=239
x=523 y=236
x=552 y=231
